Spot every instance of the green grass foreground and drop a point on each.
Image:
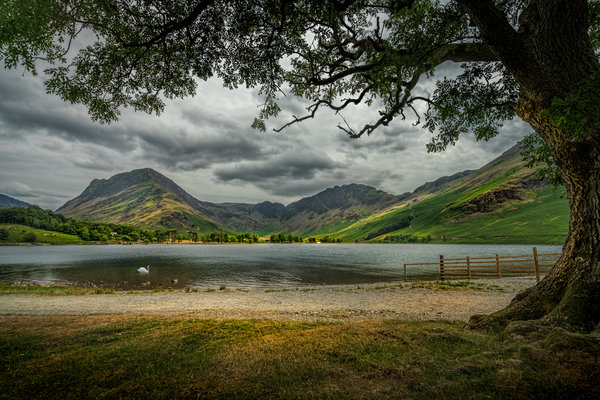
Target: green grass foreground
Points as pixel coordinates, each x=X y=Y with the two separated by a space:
x=110 y=357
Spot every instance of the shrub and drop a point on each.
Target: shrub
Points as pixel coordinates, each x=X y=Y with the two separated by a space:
x=30 y=237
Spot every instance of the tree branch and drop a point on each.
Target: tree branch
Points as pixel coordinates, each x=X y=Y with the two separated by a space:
x=497 y=32
x=174 y=25
x=387 y=116
x=313 y=108
x=467 y=52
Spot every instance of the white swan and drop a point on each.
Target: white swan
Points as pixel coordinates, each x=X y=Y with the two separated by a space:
x=144 y=270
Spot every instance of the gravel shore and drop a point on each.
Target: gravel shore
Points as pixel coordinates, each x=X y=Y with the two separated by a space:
x=421 y=300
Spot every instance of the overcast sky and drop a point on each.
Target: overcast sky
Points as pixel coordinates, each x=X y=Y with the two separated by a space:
x=51 y=150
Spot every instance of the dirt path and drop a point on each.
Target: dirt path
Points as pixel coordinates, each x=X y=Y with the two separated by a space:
x=325 y=302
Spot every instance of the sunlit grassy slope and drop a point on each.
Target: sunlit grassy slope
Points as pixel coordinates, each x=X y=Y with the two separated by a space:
x=500 y=203
x=16 y=234
x=143 y=198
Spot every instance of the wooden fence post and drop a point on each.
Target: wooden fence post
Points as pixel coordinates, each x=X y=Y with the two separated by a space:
x=404 y=272
x=536 y=264
x=441 y=267
x=468 y=268
x=498 y=266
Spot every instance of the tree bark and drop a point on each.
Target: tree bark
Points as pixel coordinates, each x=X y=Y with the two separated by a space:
x=569 y=296
x=559 y=57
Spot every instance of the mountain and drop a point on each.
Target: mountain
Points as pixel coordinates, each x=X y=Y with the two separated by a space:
x=327 y=211
x=141 y=197
x=147 y=198
x=7 y=202
x=336 y=208
x=500 y=202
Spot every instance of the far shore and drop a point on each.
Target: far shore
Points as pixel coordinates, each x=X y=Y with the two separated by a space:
x=190 y=243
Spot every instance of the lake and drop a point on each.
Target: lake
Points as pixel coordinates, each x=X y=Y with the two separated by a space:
x=238 y=266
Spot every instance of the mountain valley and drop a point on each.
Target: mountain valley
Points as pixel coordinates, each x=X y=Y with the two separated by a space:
x=502 y=202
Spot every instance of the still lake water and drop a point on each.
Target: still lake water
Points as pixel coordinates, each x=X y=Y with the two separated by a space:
x=238 y=266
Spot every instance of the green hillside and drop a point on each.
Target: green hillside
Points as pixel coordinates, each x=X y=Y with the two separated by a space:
x=34 y=225
x=147 y=199
x=142 y=198
x=27 y=234
x=500 y=203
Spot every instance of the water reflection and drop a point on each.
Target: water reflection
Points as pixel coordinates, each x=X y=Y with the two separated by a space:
x=179 y=266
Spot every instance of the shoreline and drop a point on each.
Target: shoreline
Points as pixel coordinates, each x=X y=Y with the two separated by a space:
x=433 y=242
x=421 y=300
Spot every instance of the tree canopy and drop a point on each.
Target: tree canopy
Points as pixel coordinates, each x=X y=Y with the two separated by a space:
x=336 y=54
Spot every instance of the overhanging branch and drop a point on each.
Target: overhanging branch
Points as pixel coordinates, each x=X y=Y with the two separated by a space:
x=174 y=25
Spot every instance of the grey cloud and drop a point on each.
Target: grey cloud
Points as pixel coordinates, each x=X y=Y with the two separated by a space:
x=202 y=119
x=198 y=139
x=296 y=189
x=92 y=164
x=396 y=177
x=385 y=141
x=24 y=109
x=291 y=188
x=15 y=189
x=289 y=104
x=193 y=152
x=20 y=191
x=294 y=105
x=301 y=166
x=54 y=148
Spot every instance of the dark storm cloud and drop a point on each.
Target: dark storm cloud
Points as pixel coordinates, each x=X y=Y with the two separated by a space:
x=299 y=166
x=209 y=140
x=25 y=109
x=299 y=174
x=297 y=189
x=283 y=186
x=191 y=152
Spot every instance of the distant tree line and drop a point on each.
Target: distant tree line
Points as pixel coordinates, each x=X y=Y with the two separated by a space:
x=283 y=238
x=407 y=239
x=222 y=237
x=36 y=217
x=324 y=239
x=400 y=224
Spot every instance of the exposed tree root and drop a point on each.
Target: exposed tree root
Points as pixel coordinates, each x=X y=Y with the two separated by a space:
x=568 y=298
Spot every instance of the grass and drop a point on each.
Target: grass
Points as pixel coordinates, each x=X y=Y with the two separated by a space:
x=50 y=290
x=542 y=216
x=103 y=357
x=60 y=290
x=16 y=233
x=456 y=285
x=543 y=220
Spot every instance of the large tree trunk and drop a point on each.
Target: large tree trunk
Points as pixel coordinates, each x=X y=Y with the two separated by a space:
x=554 y=57
x=569 y=296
